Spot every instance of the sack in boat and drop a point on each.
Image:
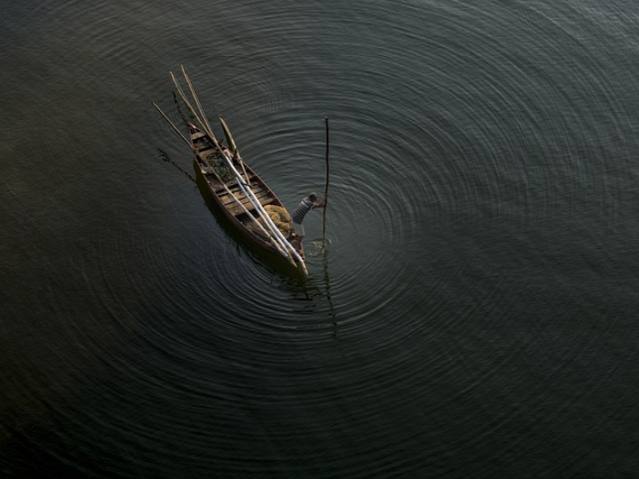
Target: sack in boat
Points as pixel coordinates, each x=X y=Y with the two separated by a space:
x=281 y=218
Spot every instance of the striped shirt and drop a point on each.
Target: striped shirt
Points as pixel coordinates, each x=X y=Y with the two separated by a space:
x=304 y=207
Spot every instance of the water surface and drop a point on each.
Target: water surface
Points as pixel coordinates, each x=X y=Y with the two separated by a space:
x=474 y=315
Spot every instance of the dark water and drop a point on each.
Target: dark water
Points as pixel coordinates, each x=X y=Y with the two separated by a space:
x=474 y=316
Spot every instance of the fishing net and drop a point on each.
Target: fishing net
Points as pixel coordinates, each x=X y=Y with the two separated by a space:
x=222 y=170
x=281 y=218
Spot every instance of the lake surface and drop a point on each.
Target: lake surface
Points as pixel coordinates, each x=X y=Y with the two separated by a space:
x=476 y=311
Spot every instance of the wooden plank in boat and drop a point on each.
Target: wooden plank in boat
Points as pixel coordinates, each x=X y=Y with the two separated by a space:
x=245 y=201
x=207 y=152
x=224 y=196
x=228 y=199
x=233 y=186
x=221 y=192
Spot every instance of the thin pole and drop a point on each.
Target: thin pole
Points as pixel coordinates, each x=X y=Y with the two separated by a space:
x=194 y=96
x=325 y=186
x=236 y=153
x=175 y=128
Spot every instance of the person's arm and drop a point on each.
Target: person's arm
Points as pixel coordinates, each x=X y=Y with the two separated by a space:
x=319 y=203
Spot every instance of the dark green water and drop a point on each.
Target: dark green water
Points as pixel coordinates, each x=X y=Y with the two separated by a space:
x=476 y=312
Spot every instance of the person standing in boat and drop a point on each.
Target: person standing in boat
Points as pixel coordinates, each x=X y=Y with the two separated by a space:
x=298 y=214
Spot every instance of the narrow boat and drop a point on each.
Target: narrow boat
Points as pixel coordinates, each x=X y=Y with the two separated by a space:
x=232 y=202
x=235 y=190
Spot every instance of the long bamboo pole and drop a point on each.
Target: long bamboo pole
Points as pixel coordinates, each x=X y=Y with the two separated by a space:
x=196 y=99
x=325 y=186
x=180 y=92
x=236 y=152
x=194 y=96
x=175 y=128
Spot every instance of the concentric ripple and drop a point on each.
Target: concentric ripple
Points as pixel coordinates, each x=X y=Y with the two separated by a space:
x=473 y=313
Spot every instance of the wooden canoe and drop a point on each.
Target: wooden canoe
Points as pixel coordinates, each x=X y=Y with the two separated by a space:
x=210 y=181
